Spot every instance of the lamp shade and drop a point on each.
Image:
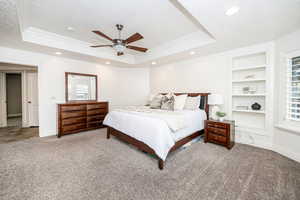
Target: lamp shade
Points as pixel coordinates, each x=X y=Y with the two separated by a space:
x=215 y=99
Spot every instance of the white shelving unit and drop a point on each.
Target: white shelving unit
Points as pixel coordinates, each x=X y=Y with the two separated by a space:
x=250 y=111
x=248 y=80
x=249 y=86
x=249 y=68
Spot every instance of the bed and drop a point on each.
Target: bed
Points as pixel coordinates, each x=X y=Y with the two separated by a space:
x=158 y=132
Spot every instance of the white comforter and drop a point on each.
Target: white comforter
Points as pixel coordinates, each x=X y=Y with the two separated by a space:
x=174 y=120
x=154 y=128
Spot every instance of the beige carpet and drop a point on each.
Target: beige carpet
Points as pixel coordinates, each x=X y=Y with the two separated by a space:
x=87 y=166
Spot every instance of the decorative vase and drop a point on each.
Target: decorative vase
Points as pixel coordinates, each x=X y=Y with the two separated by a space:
x=256 y=106
x=221 y=119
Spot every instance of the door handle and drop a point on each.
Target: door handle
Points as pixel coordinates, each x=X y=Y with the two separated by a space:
x=29 y=101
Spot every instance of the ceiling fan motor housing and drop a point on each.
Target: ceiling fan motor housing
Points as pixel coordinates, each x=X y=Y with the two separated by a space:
x=119 y=45
x=119 y=27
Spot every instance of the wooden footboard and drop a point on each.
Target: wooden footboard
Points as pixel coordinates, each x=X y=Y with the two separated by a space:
x=144 y=147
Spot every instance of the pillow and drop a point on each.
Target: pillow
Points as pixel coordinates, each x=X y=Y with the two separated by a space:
x=168 y=102
x=179 y=101
x=156 y=102
x=192 y=103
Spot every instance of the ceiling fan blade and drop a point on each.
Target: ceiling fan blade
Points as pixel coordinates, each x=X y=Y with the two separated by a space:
x=102 y=34
x=133 y=38
x=101 y=46
x=120 y=53
x=137 y=48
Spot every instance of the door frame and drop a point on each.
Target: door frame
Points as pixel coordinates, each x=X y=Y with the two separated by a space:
x=3 y=106
x=24 y=88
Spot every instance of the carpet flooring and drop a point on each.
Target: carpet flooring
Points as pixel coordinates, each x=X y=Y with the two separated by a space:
x=87 y=166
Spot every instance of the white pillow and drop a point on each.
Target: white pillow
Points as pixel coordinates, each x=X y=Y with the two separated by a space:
x=192 y=103
x=179 y=101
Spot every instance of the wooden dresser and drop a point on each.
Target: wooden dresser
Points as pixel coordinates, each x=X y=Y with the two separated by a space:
x=77 y=117
x=221 y=133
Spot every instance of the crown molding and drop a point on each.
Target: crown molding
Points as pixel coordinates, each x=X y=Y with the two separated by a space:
x=45 y=38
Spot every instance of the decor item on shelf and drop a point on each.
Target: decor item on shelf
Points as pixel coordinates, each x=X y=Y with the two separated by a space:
x=215 y=100
x=246 y=90
x=256 y=106
x=221 y=116
x=251 y=76
x=252 y=90
x=242 y=107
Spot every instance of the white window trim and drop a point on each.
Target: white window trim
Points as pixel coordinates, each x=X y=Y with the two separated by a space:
x=286 y=124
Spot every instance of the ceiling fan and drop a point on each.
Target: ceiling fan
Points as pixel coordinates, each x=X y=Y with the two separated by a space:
x=120 y=45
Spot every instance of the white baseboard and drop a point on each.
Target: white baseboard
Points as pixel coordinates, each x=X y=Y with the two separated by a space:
x=261 y=141
x=15 y=115
x=288 y=153
x=47 y=133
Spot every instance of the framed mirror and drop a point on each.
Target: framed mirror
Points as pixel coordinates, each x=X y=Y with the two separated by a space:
x=81 y=87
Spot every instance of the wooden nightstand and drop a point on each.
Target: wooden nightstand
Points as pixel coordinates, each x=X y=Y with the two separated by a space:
x=221 y=133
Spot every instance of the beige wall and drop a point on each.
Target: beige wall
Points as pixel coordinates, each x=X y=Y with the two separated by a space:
x=14 y=94
x=207 y=74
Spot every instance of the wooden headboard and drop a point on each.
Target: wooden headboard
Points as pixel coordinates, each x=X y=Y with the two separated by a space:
x=203 y=101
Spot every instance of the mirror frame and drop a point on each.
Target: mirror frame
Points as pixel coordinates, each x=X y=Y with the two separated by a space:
x=79 y=74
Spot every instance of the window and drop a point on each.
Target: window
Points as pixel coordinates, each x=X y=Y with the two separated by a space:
x=293 y=89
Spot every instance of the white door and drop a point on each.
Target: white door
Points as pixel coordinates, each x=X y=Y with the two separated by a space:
x=32 y=99
x=3 y=115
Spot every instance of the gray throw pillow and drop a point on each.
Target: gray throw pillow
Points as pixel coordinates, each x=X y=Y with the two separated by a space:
x=168 y=103
x=156 y=102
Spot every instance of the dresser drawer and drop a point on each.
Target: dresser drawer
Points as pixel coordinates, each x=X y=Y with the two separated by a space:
x=216 y=125
x=218 y=131
x=96 y=118
x=73 y=121
x=65 y=115
x=217 y=138
x=97 y=111
x=73 y=127
x=95 y=124
x=96 y=106
x=73 y=108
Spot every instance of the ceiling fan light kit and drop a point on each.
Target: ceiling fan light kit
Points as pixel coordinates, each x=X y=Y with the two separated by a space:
x=120 y=45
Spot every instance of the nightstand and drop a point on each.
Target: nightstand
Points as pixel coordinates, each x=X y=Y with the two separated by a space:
x=221 y=133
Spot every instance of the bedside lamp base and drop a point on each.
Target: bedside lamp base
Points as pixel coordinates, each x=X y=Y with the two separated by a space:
x=214 y=111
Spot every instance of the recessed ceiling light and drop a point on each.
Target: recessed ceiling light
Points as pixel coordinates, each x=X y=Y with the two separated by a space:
x=58 y=53
x=192 y=52
x=153 y=63
x=107 y=62
x=69 y=28
x=233 y=10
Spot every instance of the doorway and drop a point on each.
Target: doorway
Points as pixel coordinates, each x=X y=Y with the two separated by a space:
x=14 y=99
x=18 y=102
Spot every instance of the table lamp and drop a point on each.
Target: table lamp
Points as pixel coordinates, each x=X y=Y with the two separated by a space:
x=215 y=100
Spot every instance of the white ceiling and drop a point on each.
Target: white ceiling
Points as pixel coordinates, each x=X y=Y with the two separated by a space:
x=149 y=18
x=171 y=28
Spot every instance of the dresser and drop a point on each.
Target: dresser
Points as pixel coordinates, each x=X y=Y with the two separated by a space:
x=78 y=117
x=221 y=133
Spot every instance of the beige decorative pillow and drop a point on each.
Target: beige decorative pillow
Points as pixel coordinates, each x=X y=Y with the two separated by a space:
x=168 y=102
x=156 y=102
x=179 y=101
x=192 y=103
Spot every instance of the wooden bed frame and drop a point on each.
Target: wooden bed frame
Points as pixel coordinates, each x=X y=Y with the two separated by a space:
x=145 y=148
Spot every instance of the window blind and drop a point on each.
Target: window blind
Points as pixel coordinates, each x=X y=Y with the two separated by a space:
x=293 y=89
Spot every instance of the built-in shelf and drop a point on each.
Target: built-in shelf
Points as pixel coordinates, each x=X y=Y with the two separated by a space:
x=249 y=68
x=248 y=80
x=249 y=95
x=250 y=111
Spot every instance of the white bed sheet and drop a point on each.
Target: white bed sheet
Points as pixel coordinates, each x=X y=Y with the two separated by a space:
x=155 y=132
